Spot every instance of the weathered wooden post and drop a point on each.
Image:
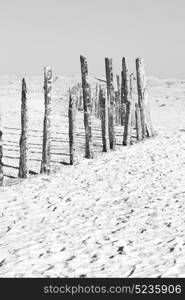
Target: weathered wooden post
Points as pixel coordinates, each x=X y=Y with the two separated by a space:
x=119 y=98
x=127 y=135
x=97 y=108
x=116 y=108
x=23 y=143
x=147 y=128
x=138 y=122
x=72 y=126
x=93 y=104
x=1 y=149
x=111 y=101
x=131 y=85
x=124 y=89
x=104 y=119
x=46 y=147
x=79 y=95
x=87 y=108
x=80 y=99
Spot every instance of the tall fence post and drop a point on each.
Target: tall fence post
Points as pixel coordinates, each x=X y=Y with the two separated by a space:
x=46 y=147
x=1 y=149
x=87 y=108
x=104 y=119
x=119 y=98
x=23 y=143
x=147 y=128
x=72 y=126
x=97 y=113
x=124 y=89
x=111 y=101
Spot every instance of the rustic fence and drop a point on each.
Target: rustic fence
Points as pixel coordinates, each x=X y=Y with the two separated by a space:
x=113 y=104
x=118 y=107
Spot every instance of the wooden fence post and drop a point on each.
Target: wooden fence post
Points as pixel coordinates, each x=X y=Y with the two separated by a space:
x=119 y=98
x=46 y=147
x=124 y=89
x=93 y=105
x=23 y=143
x=116 y=108
x=131 y=85
x=111 y=101
x=80 y=99
x=138 y=122
x=147 y=128
x=127 y=135
x=118 y=84
x=79 y=96
x=72 y=126
x=97 y=108
x=1 y=149
x=104 y=119
x=87 y=108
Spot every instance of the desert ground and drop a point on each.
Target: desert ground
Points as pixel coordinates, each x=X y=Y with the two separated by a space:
x=121 y=214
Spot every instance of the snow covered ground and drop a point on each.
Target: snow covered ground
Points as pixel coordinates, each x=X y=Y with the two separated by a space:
x=119 y=215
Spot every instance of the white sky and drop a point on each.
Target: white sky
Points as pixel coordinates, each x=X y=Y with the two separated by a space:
x=35 y=33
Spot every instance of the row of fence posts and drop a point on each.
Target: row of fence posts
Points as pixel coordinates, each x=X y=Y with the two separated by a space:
x=23 y=142
x=112 y=107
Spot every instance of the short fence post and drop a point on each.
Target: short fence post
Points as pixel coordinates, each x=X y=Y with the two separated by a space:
x=147 y=128
x=87 y=108
x=104 y=119
x=111 y=102
x=124 y=89
x=72 y=126
x=1 y=150
x=46 y=147
x=23 y=143
x=127 y=135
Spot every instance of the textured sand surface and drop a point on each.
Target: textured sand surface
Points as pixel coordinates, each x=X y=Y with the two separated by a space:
x=119 y=215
